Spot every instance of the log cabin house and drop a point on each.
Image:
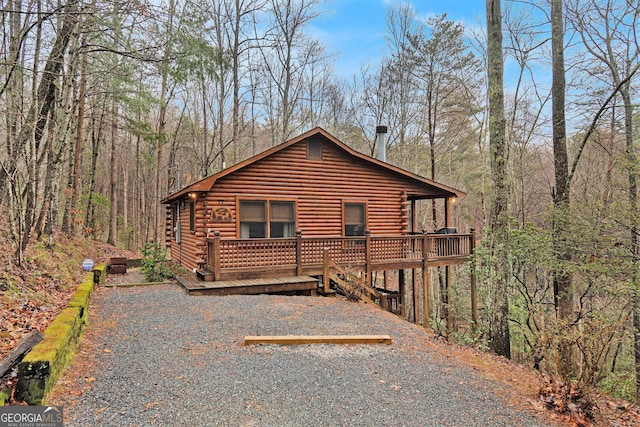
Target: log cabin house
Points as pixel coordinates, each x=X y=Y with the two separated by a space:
x=282 y=212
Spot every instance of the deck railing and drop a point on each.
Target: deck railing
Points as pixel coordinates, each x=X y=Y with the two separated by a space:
x=228 y=258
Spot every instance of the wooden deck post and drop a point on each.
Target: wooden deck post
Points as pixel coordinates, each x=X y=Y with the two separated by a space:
x=402 y=293
x=216 y=256
x=447 y=212
x=416 y=296
x=298 y=253
x=326 y=280
x=425 y=280
x=367 y=255
x=474 y=294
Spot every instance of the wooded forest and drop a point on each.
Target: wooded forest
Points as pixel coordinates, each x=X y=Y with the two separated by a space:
x=107 y=107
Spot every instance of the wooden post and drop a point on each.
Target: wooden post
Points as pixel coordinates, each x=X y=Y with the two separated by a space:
x=401 y=290
x=447 y=212
x=413 y=216
x=216 y=256
x=367 y=255
x=425 y=280
x=447 y=287
x=416 y=296
x=298 y=252
x=425 y=311
x=326 y=281
x=474 y=294
x=383 y=302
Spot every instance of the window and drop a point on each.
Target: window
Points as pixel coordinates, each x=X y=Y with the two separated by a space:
x=354 y=219
x=314 y=149
x=282 y=220
x=174 y=218
x=253 y=219
x=192 y=217
x=256 y=214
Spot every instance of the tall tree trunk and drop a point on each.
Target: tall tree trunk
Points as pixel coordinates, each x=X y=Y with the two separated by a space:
x=48 y=212
x=33 y=131
x=74 y=212
x=125 y=195
x=162 y=121
x=160 y=136
x=235 y=65
x=632 y=158
x=96 y=131
x=112 y=238
x=500 y=337
x=14 y=86
x=38 y=114
x=562 y=282
x=205 y=134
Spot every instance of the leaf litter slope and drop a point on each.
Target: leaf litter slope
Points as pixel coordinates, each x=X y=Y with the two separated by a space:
x=33 y=293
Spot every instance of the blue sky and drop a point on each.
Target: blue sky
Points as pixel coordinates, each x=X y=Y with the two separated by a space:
x=354 y=29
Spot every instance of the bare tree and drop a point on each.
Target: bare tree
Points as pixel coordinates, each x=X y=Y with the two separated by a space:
x=285 y=59
x=562 y=282
x=608 y=31
x=499 y=217
x=33 y=132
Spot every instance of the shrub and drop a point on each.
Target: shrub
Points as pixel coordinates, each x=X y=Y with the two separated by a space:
x=154 y=263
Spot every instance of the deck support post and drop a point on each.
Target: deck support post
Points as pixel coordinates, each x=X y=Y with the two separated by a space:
x=474 y=293
x=298 y=253
x=367 y=255
x=416 y=296
x=216 y=256
x=401 y=287
x=326 y=273
x=425 y=280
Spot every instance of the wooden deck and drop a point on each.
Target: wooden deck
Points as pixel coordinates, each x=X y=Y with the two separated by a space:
x=250 y=286
x=235 y=259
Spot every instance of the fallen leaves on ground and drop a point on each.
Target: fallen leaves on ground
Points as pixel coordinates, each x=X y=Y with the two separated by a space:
x=35 y=291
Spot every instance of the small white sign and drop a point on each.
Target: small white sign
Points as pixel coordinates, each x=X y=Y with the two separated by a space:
x=87 y=264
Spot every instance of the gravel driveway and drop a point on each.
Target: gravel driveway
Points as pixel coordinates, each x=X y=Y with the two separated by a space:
x=156 y=356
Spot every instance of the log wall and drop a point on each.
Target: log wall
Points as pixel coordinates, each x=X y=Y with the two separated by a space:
x=318 y=187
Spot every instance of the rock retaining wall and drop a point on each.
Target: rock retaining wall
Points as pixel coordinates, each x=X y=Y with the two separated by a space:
x=43 y=365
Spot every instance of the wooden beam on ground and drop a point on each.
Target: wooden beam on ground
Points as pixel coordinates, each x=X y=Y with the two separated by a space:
x=24 y=346
x=316 y=339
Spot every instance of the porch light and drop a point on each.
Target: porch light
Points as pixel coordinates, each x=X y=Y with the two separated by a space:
x=453 y=200
x=193 y=195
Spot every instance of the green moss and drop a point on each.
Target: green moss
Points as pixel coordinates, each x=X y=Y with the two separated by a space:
x=81 y=297
x=41 y=368
x=100 y=273
x=5 y=394
x=56 y=336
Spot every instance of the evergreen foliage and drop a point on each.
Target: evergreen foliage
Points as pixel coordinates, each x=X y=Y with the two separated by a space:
x=155 y=265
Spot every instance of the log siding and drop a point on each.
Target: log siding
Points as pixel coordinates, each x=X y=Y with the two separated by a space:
x=318 y=185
